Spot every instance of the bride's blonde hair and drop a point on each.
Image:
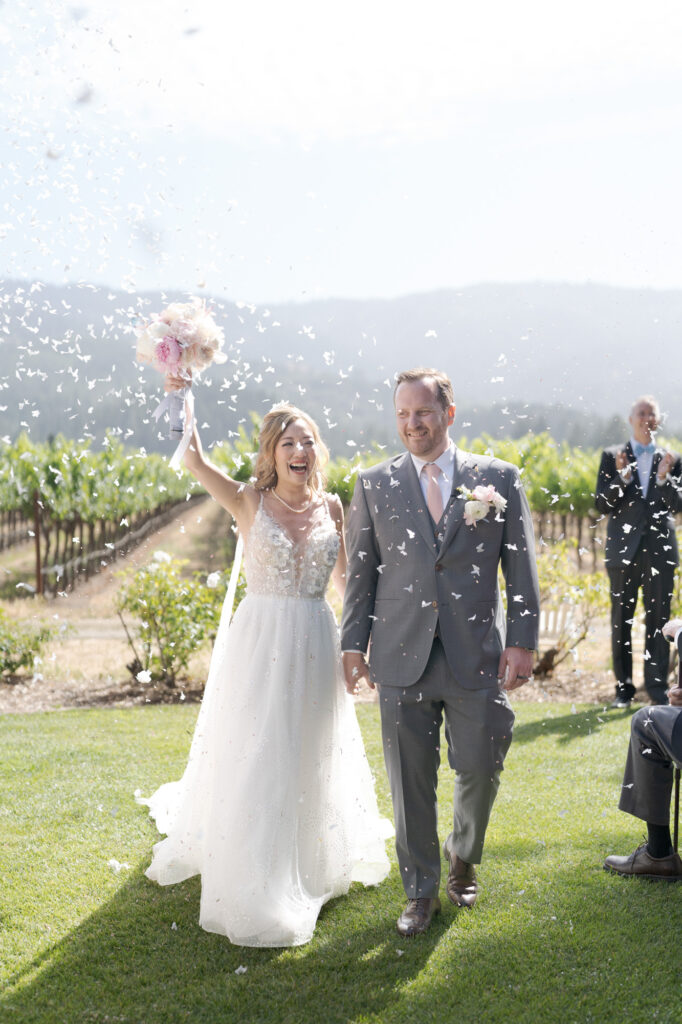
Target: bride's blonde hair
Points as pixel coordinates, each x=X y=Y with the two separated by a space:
x=275 y=422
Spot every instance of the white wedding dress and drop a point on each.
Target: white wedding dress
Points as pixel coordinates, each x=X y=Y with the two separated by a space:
x=276 y=809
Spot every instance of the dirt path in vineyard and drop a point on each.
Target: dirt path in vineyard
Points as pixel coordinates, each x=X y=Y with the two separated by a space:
x=87 y=667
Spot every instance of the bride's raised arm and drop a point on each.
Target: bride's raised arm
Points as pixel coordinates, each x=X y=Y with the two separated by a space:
x=240 y=499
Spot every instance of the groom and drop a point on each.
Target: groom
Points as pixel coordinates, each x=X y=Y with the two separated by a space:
x=423 y=620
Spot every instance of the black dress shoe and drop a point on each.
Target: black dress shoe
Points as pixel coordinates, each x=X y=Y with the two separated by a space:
x=620 y=703
x=417 y=916
x=462 y=885
x=624 y=694
x=643 y=865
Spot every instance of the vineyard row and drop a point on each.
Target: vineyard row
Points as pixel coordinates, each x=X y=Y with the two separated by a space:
x=79 y=504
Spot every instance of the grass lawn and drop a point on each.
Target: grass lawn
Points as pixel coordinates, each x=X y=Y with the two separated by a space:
x=553 y=938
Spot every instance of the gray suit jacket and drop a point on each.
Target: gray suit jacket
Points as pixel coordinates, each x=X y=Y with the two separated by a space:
x=634 y=518
x=403 y=582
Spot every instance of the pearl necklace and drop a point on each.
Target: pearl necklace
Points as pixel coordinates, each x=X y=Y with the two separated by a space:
x=298 y=511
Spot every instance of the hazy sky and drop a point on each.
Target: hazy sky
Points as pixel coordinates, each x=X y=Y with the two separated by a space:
x=270 y=151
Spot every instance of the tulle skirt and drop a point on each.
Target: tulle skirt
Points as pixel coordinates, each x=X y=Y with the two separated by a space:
x=276 y=809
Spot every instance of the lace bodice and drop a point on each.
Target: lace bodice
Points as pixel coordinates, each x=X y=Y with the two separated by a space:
x=279 y=565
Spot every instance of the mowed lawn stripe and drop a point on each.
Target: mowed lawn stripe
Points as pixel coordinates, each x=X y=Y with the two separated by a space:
x=552 y=937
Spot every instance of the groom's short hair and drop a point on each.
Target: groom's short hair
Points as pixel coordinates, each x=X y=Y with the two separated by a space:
x=444 y=390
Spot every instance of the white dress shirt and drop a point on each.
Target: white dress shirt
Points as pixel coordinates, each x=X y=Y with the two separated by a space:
x=644 y=463
x=644 y=466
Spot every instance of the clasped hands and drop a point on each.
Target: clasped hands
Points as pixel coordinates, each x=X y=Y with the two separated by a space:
x=624 y=467
x=514 y=669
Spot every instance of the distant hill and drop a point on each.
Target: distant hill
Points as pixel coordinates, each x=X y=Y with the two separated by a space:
x=570 y=358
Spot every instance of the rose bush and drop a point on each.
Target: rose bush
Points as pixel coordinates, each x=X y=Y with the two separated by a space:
x=21 y=643
x=174 y=615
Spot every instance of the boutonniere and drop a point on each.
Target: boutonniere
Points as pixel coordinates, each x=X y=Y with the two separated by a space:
x=479 y=502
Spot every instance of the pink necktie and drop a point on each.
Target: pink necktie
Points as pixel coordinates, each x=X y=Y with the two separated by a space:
x=434 y=499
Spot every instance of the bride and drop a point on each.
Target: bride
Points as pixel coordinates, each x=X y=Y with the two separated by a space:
x=276 y=809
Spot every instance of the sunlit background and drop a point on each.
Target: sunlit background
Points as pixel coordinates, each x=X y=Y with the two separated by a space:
x=482 y=169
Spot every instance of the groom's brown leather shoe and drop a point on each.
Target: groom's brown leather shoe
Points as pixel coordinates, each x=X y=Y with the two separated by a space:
x=417 y=916
x=642 y=864
x=461 y=886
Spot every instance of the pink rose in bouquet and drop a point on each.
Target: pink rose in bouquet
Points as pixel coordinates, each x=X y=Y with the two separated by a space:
x=181 y=340
x=167 y=354
x=183 y=337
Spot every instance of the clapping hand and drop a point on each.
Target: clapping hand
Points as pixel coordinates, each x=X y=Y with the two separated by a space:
x=671 y=627
x=623 y=465
x=665 y=465
x=621 y=459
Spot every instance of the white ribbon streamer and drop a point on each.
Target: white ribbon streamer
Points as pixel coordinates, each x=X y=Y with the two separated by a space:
x=176 y=460
x=180 y=408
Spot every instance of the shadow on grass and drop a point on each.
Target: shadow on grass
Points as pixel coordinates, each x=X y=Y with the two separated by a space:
x=568 y=726
x=569 y=948
x=144 y=958
x=587 y=947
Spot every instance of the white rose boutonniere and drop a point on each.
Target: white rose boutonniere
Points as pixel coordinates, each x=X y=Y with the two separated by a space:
x=479 y=502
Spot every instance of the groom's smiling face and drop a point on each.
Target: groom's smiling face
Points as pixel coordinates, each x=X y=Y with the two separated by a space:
x=422 y=421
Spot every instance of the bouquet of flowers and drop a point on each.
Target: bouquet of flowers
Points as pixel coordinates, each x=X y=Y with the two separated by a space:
x=183 y=339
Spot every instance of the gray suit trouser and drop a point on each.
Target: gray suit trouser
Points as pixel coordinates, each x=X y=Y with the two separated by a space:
x=478 y=728
x=655 y=742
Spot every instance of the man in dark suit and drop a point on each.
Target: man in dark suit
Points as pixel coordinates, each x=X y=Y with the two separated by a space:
x=640 y=489
x=655 y=745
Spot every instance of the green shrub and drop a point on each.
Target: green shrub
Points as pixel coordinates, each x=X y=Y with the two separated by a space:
x=175 y=615
x=21 y=643
x=342 y=473
x=237 y=458
x=585 y=596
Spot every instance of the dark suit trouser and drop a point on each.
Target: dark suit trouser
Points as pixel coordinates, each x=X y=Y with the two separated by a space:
x=657 y=588
x=655 y=742
x=478 y=728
